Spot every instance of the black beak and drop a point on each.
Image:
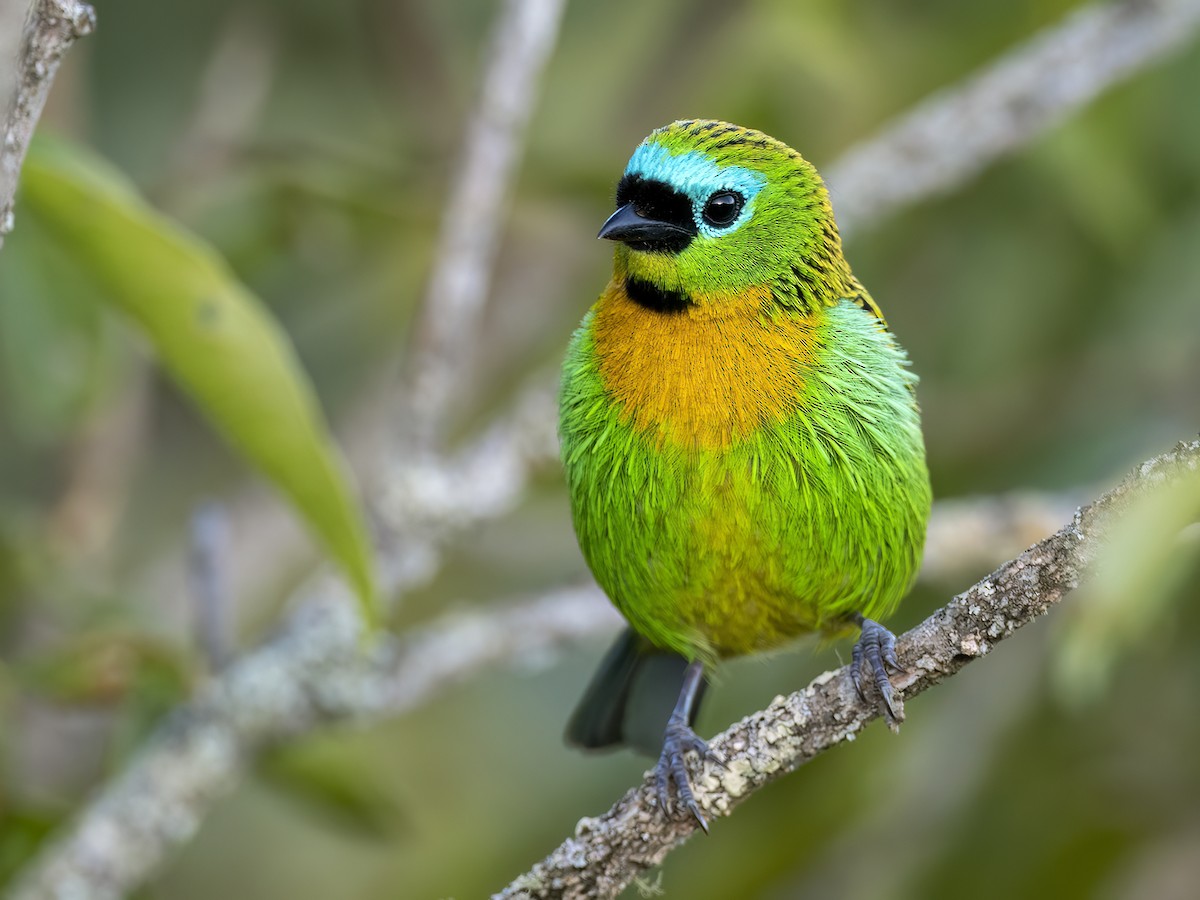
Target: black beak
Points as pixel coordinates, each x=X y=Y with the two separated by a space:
x=627 y=226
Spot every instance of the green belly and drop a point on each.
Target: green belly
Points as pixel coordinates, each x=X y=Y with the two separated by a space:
x=715 y=553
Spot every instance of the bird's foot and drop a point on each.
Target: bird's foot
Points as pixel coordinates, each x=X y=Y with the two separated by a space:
x=672 y=767
x=876 y=650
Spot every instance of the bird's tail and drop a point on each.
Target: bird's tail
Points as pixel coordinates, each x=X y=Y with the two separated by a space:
x=630 y=698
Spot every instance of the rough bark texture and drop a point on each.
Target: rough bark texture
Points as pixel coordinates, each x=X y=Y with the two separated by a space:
x=607 y=852
x=52 y=27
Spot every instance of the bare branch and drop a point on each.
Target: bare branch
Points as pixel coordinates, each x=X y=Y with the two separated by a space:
x=606 y=853
x=955 y=134
x=12 y=29
x=482 y=481
x=233 y=89
x=52 y=27
x=313 y=673
x=524 y=38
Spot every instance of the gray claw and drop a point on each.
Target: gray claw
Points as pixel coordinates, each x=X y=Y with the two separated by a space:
x=876 y=648
x=672 y=766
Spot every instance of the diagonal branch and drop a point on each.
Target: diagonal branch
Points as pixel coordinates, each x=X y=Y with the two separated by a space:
x=313 y=673
x=953 y=135
x=607 y=852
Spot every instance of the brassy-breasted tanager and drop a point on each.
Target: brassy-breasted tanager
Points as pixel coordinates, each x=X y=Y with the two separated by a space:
x=740 y=436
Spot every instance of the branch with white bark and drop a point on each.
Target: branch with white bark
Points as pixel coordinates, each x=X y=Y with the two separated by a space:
x=454 y=299
x=607 y=852
x=50 y=30
x=956 y=133
x=313 y=673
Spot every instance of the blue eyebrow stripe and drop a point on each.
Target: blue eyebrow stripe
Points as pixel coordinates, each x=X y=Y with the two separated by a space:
x=696 y=175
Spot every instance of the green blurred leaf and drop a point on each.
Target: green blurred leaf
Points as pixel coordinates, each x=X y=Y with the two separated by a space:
x=210 y=333
x=11 y=574
x=1149 y=555
x=57 y=353
x=22 y=832
x=7 y=693
x=322 y=778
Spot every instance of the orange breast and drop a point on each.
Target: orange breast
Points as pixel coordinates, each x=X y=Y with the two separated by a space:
x=708 y=376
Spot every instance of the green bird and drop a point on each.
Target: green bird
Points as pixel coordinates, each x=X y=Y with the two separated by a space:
x=740 y=436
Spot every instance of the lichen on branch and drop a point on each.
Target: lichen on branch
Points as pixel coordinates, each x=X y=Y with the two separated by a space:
x=50 y=30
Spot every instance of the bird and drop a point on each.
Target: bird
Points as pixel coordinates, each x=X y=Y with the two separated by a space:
x=740 y=435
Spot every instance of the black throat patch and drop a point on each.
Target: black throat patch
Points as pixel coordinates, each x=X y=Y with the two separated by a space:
x=652 y=297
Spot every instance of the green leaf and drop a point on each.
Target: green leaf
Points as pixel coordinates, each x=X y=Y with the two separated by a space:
x=210 y=333
x=1150 y=554
x=335 y=784
x=58 y=350
x=22 y=832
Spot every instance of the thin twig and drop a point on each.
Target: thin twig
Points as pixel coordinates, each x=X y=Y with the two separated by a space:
x=53 y=26
x=233 y=89
x=13 y=14
x=523 y=41
x=606 y=853
x=442 y=495
x=211 y=599
x=956 y=133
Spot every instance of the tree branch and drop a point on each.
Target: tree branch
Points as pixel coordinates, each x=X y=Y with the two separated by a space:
x=52 y=27
x=607 y=852
x=450 y=314
x=314 y=673
x=953 y=135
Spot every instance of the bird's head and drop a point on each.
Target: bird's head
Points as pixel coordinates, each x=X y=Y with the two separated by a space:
x=706 y=210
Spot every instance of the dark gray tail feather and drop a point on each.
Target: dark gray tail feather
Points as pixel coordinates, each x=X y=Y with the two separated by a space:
x=630 y=698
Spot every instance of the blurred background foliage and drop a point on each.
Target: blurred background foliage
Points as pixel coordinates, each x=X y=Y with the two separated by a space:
x=1052 y=308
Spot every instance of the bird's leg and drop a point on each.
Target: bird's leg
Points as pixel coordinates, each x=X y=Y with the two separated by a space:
x=678 y=740
x=876 y=648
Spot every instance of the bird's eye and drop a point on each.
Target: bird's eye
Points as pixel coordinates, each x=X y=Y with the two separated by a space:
x=722 y=208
